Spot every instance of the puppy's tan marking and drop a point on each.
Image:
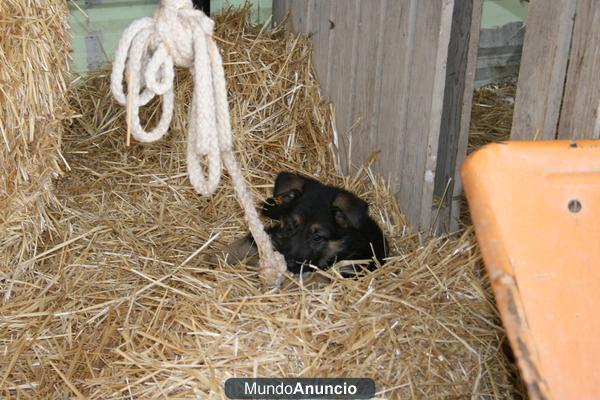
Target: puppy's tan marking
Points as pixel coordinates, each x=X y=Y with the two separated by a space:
x=315 y=227
x=334 y=247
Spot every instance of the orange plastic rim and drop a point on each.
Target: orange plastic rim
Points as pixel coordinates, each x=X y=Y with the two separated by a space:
x=536 y=211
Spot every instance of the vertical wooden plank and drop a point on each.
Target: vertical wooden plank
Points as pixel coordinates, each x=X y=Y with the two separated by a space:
x=344 y=16
x=420 y=86
x=299 y=15
x=368 y=78
x=543 y=68
x=444 y=28
x=580 y=114
x=326 y=41
x=321 y=28
x=396 y=65
x=379 y=80
x=465 y=120
x=426 y=91
x=298 y=10
x=456 y=115
x=280 y=10
x=310 y=17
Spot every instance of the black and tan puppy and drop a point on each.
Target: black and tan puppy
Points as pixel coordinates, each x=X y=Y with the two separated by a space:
x=316 y=224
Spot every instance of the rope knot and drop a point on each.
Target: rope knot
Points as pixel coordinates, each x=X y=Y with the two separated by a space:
x=175 y=5
x=176 y=25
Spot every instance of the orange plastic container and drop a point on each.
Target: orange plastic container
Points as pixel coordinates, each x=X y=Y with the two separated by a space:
x=536 y=211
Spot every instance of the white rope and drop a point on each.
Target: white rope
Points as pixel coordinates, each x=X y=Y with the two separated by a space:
x=149 y=48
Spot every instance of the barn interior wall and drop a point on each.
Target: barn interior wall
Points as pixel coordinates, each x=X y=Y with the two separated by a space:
x=95 y=36
x=383 y=64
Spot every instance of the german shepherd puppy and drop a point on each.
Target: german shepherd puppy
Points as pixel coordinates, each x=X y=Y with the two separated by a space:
x=316 y=224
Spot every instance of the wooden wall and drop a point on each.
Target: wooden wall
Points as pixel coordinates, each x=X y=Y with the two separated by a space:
x=383 y=63
x=558 y=94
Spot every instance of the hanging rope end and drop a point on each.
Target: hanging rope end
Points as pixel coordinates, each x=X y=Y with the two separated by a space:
x=272 y=270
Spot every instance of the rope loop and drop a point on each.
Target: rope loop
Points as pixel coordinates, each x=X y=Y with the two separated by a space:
x=179 y=35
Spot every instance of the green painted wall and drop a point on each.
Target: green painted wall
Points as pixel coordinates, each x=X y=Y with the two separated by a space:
x=97 y=32
x=101 y=27
x=95 y=35
x=501 y=12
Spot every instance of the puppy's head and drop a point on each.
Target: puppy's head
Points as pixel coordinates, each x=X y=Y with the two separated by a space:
x=320 y=224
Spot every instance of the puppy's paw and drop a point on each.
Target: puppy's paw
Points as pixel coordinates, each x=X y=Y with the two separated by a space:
x=235 y=252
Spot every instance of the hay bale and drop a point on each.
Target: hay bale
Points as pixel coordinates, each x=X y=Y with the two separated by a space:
x=34 y=52
x=123 y=305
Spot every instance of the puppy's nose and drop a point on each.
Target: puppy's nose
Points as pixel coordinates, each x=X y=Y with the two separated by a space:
x=292 y=265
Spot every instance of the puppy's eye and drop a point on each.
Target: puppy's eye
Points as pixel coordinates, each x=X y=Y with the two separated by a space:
x=290 y=196
x=287 y=197
x=318 y=238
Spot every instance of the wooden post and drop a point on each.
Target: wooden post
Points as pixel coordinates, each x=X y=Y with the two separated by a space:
x=456 y=117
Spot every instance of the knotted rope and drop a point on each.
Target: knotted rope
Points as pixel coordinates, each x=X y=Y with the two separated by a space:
x=180 y=35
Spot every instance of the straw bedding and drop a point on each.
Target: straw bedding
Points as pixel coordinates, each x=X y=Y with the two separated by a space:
x=119 y=301
x=33 y=85
x=491 y=116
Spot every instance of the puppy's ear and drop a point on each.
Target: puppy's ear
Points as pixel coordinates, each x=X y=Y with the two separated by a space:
x=288 y=188
x=286 y=182
x=349 y=210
